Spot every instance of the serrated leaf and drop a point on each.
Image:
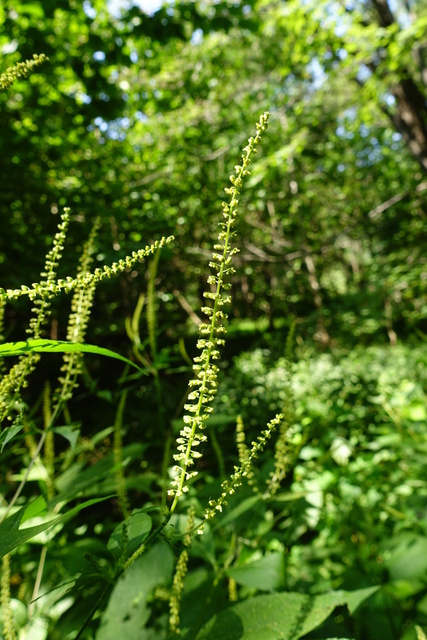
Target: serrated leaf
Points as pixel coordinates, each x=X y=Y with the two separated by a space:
x=420 y=633
x=265 y=574
x=279 y=616
x=127 y=611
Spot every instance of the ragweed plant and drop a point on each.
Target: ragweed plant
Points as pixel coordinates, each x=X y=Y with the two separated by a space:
x=178 y=579
x=20 y=70
x=81 y=306
x=12 y=383
x=77 y=325
x=7 y=615
x=283 y=457
x=204 y=382
x=242 y=449
x=230 y=485
x=42 y=294
x=65 y=285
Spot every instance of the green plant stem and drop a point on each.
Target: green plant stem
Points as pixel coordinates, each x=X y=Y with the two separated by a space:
x=118 y=457
x=207 y=362
x=165 y=466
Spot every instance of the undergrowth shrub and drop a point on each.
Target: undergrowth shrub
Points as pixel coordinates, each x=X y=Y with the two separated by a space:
x=184 y=537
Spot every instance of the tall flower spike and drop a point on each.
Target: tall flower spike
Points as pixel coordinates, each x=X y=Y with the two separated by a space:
x=243 y=450
x=16 y=379
x=236 y=479
x=179 y=576
x=204 y=382
x=84 y=280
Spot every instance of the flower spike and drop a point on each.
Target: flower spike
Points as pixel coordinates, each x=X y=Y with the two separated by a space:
x=204 y=382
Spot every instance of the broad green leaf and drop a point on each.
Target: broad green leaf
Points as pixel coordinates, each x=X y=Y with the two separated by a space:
x=127 y=611
x=265 y=574
x=11 y=536
x=8 y=434
x=41 y=345
x=279 y=616
x=35 y=10
x=92 y=479
x=407 y=558
x=138 y=528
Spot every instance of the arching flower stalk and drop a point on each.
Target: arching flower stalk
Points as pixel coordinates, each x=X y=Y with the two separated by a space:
x=204 y=382
x=83 y=280
x=243 y=471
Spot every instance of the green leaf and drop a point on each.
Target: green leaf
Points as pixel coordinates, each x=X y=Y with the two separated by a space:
x=95 y=479
x=70 y=433
x=8 y=434
x=127 y=611
x=420 y=633
x=242 y=507
x=407 y=557
x=36 y=508
x=265 y=574
x=138 y=528
x=41 y=345
x=11 y=536
x=279 y=616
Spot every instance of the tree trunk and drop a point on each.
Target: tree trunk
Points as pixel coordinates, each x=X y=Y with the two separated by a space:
x=410 y=118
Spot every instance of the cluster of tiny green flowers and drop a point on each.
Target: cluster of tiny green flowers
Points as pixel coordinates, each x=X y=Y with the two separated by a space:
x=12 y=383
x=420 y=633
x=81 y=305
x=84 y=280
x=16 y=379
x=41 y=307
x=5 y=601
x=282 y=460
x=232 y=590
x=20 y=70
x=178 y=579
x=242 y=448
x=236 y=479
x=282 y=454
x=204 y=383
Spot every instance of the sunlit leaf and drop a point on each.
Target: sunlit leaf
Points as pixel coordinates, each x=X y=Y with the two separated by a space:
x=279 y=616
x=59 y=346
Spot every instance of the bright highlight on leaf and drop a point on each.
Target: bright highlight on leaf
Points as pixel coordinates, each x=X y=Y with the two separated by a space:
x=41 y=345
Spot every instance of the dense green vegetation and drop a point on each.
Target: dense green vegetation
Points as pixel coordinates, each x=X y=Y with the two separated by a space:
x=228 y=441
